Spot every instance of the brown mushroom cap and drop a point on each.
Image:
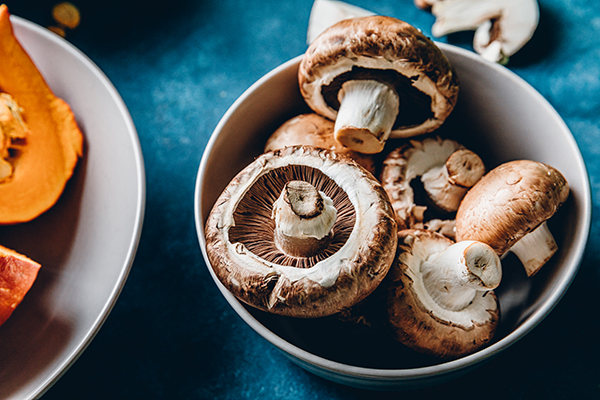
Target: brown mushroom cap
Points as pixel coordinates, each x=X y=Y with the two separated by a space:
x=240 y=230
x=417 y=320
x=313 y=130
x=388 y=50
x=510 y=201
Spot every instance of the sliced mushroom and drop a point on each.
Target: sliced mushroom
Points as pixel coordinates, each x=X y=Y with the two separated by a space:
x=508 y=208
x=270 y=240
x=325 y=13
x=440 y=298
x=317 y=131
x=377 y=77
x=446 y=169
x=502 y=27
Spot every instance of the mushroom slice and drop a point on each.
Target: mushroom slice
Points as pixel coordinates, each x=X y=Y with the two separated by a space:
x=508 y=208
x=446 y=169
x=302 y=232
x=325 y=13
x=440 y=296
x=501 y=27
x=377 y=77
x=313 y=130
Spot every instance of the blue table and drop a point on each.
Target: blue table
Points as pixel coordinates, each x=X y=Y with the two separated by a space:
x=178 y=66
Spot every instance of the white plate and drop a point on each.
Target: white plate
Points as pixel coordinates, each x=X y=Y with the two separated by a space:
x=87 y=242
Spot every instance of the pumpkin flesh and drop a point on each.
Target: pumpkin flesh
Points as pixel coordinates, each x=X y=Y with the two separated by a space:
x=17 y=274
x=44 y=161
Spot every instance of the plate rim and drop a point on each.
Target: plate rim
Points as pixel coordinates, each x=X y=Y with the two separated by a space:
x=70 y=358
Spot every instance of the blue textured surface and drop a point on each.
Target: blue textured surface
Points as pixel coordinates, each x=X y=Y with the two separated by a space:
x=178 y=66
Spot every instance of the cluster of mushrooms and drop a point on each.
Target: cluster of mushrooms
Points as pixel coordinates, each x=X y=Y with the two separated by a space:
x=307 y=230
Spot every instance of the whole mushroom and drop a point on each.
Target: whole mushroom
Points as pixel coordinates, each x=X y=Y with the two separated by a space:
x=440 y=298
x=313 y=130
x=302 y=232
x=446 y=168
x=508 y=209
x=377 y=77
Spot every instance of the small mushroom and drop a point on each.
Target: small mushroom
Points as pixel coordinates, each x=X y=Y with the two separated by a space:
x=502 y=27
x=446 y=169
x=508 y=209
x=302 y=232
x=325 y=13
x=313 y=130
x=440 y=298
x=377 y=77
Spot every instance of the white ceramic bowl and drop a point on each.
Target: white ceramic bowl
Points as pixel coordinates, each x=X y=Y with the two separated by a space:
x=86 y=243
x=499 y=116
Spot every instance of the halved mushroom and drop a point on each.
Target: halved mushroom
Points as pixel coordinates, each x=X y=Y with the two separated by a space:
x=377 y=77
x=440 y=298
x=508 y=208
x=325 y=13
x=446 y=169
x=317 y=131
x=303 y=232
x=502 y=27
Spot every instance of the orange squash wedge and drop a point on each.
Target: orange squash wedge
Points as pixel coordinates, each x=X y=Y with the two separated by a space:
x=45 y=158
x=17 y=274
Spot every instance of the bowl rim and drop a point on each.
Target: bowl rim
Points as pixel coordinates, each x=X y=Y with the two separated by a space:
x=69 y=359
x=444 y=367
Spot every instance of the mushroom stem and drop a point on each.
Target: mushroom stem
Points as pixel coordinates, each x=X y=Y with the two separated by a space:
x=368 y=110
x=453 y=276
x=304 y=218
x=535 y=249
x=447 y=184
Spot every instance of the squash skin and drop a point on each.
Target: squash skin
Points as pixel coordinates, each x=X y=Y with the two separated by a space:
x=54 y=144
x=17 y=274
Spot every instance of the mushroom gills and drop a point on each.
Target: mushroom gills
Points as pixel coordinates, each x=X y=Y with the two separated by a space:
x=256 y=229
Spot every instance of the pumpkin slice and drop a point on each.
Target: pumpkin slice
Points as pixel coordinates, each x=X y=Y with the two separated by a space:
x=17 y=274
x=43 y=161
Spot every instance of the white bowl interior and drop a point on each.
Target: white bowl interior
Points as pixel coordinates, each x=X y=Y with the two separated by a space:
x=86 y=243
x=499 y=116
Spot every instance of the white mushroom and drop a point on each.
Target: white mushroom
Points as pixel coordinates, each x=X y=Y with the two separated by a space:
x=446 y=169
x=439 y=293
x=508 y=208
x=325 y=13
x=502 y=27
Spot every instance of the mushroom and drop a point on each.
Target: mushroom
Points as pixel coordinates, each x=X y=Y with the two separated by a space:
x=502 y=27
x=377 y=77
x=325 y=13
x=440 y=298
x=446 y=169
x=302 y=232
x=508 y=209
x=313 y=130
